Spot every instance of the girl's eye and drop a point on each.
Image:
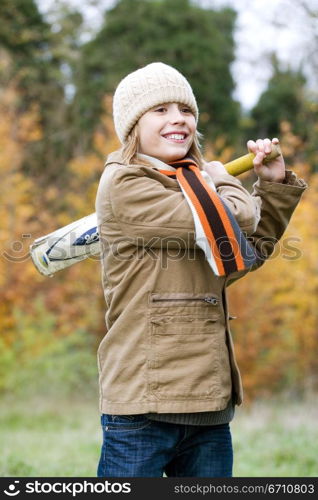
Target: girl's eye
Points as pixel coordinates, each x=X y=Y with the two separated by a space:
x=186 y=110
x=160 y=110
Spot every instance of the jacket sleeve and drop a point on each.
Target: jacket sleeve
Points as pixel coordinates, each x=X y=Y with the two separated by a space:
x=240 y=202
x=149 y=213
x=146 y=209
x=277 y=202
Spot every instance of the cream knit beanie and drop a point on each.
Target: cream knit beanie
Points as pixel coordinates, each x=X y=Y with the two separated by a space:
x=156 y=83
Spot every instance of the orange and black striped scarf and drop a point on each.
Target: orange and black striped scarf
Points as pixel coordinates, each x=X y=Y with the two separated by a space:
x=217 y=232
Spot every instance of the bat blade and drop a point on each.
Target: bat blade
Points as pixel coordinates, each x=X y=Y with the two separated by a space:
x=66 y=246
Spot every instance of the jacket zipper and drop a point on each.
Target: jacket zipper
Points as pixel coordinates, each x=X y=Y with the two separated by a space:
x=210 y=300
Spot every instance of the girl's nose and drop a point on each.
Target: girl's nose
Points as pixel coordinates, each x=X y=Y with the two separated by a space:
x=175 y=115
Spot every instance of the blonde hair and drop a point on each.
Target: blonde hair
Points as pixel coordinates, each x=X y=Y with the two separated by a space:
x=130 y=148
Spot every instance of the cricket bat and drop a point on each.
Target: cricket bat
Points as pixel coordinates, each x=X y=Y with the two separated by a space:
x=80 y=239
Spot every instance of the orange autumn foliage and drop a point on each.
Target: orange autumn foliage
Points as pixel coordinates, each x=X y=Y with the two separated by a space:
x=276 y=330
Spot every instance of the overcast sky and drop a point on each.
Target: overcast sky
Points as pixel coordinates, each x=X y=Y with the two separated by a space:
x=255 y=37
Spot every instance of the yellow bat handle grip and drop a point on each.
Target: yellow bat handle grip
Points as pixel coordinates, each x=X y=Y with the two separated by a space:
x=244 y=163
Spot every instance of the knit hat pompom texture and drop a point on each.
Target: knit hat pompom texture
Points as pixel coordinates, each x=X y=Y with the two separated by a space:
x=155 y=84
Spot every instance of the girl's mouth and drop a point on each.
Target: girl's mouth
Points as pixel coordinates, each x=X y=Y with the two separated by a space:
x=176 y=137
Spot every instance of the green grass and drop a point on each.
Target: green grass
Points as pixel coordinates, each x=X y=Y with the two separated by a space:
x=273 y=440
x=47 y=438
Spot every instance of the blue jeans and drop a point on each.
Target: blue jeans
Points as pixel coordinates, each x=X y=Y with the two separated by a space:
x=134 y=446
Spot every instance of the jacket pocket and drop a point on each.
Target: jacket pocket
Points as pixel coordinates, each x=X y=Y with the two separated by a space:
x=183 y=299
x=184 y=351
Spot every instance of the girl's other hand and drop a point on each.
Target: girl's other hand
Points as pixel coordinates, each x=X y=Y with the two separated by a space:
x=274 y=170
x=214 y=168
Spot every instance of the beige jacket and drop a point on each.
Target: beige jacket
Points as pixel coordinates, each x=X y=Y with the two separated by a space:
x=168 y=346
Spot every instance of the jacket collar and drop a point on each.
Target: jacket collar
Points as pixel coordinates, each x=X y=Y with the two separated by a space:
x=156 y=163
x=117 y=157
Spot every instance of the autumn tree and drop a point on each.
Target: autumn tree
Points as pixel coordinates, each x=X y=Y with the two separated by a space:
x=43 y=321
x=277 y=324
x=38 y=65
x=198 y=42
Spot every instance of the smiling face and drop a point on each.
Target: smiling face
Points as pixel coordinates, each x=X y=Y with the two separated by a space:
x=166 y=131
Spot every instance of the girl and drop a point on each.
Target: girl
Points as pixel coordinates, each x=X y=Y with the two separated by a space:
x=173 y=231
